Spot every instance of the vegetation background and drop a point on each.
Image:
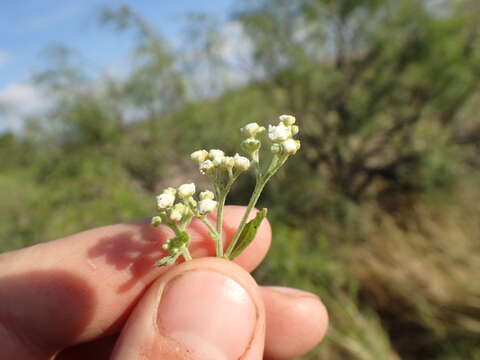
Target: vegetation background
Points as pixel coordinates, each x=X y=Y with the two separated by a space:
x=379 y=211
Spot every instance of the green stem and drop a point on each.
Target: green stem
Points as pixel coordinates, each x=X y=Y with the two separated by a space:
x=213 y=231
x=261 y=182
x=186 y=254
x=222 y=195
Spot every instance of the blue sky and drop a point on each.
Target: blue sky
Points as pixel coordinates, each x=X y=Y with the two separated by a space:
x=28 y=27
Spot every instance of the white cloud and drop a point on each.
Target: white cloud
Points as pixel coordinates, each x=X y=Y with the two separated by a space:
x=4 y=58
x=21 y=99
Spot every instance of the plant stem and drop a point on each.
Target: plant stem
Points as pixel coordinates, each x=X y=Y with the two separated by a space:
x=186 y=254
x=222 y=195
x=261 y=182
x=213 y=231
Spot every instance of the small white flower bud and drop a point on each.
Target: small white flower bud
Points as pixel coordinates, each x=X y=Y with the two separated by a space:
x=215 y=153
x=279 y=133
x=287 y=119
x=186 y=190
x=165 y=200
x=206 y=206
x=170 y=190
x=175 y=215
x=252 y=130
x=207 y=194
x=206 y=167
x=250 y=145
x=199 y=155
x=294 y=130
x=165 y=246
x=177 y=212
x=290 y=146
x=241 y=162
x=227 y=163
x=216 y=156
x=156 y=221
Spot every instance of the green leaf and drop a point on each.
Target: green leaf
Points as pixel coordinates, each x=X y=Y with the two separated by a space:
x=248 y=234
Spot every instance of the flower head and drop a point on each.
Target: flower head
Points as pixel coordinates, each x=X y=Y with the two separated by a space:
x=287 y=119
x=213 y=153
x=252 y=130
x=206 y=206
x=199 y=155
x=241 y=162
x=165 y=200
x=207 y=194
x=227 y=163
x=279 y=132
x=177 y=212
x=290 y=146
x=186 y=190
x=206 y=167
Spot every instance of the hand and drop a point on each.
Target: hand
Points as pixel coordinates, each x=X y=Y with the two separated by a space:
x=97 y=295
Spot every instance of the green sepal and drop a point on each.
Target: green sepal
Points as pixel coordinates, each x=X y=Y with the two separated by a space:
x=248 y=234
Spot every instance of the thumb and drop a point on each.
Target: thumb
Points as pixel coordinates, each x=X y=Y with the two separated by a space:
x=204 y=309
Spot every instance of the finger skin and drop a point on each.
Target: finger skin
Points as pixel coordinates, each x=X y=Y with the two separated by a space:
x=142 y=338
x=296 y=322
x=82 y=287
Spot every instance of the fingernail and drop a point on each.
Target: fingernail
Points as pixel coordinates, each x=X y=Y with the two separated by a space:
x=209 y=314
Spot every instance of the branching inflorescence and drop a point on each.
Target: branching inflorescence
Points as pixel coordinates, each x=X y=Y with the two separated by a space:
x=178 y=206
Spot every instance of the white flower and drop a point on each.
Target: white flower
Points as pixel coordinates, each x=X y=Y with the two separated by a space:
x=199 y=155
x=177 y=212
x=165 y=200
x=216 y=156
x=186 y=190
x=287 y=119
x=227 y=162
x=206 y=206
x=241 y=162
x=279 y=133
x=170 y=190
x=290 y=146
x=216 y=153
x=175 y=215
x=252 y=129
x=207 y=194
x=206 y=166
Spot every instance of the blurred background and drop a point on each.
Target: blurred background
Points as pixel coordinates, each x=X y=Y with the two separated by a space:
x=101 y=103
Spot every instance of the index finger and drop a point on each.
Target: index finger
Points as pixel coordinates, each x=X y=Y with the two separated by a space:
x=83 y=286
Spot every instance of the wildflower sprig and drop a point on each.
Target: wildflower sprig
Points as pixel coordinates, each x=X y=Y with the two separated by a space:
x=177 y=207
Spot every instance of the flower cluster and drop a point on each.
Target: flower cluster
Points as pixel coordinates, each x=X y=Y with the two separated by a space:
x=282 y=136
x=177 y=215
x=214 y=160
x=177 y=206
